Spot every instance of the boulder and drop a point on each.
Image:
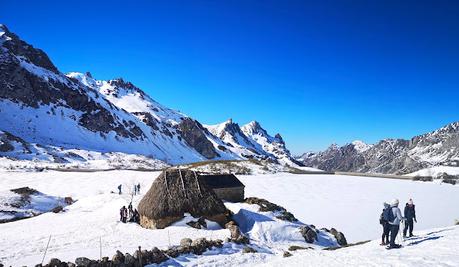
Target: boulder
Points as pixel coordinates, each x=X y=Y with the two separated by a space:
x=118 y=258
x=54 y=263
x=295 y=248
x=236 y=234
x=57 y=209
x=249 y=250
x=129 y=260
x=82 y=262
x=340 y=238
x=199 y=245
x=202 y=222
x=157 y=256
x=287 y=254
x=186 y=242
x=194 y=224
x=309 y=234
x=68 y=200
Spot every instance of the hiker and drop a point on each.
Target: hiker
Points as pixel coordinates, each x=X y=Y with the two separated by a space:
x=384 y=221
x=138 y=188
x=123 y=214
x=131 y=212
x=136 y=217
x=119 y=189
x=395 y=217
x=410 y=215
x=135 y=190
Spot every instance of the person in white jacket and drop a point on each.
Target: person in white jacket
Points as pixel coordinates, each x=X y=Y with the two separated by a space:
x=395 y=223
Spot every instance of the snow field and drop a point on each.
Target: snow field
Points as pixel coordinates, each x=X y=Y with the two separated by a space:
x=350 y=204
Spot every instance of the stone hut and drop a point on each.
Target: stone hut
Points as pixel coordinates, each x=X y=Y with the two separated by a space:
x=227 y=186
x=176 y=192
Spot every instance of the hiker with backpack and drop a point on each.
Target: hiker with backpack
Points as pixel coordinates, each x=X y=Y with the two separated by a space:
x=119 y=189
x=384 y=221
x=410 y=215
x=395 y=217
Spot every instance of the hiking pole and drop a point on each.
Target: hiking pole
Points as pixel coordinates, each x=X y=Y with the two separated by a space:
x=402 y=226
x=47 y=245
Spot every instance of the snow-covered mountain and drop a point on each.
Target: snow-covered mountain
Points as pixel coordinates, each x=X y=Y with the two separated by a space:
x=252 y=141
x=393 y=156
x=42 y=106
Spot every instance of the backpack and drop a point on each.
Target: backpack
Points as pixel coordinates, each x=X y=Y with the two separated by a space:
x=388 y=215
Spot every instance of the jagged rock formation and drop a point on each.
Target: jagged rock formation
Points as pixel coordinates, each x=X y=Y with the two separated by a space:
x=391 y=156
x=252 y=141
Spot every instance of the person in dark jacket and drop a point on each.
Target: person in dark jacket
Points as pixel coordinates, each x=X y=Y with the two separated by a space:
x=384 y=221
x=123 y=214
x=119 y=189
x=410 y=215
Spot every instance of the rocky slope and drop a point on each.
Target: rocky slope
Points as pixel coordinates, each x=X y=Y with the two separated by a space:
x=391 y=156
x=41 y=106
x=252 y=141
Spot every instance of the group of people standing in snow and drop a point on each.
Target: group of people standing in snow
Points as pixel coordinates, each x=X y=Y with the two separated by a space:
x=129 y=214
x=391 y=218
x=135 y=192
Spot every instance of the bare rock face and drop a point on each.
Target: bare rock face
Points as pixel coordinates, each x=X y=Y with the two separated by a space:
x=194 y=134
x=309 y=234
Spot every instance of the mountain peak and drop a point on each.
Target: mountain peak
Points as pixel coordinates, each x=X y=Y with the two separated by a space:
x=254 y=127
x=27 y=53
x=254 y=124
x=360 y=146
x=3 y=28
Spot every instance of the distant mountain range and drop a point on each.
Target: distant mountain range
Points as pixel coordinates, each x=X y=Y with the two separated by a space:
x=391 y=156
x=51 y=116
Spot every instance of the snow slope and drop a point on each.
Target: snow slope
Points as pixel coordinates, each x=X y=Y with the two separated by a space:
x=434 y=247
x=350 y=204
x=436 y=171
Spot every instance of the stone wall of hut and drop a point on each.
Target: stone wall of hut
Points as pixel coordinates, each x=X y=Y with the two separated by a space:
x=232 y=194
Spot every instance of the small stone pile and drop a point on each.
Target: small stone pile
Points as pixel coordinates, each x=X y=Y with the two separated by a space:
x=144 y=257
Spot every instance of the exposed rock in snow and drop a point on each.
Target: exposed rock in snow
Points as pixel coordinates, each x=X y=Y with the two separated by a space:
x=21 y=203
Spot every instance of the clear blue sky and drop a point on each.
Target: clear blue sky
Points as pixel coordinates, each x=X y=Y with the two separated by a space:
x=318 y=72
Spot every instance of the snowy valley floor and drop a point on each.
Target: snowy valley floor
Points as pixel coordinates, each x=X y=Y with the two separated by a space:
x=350 y=204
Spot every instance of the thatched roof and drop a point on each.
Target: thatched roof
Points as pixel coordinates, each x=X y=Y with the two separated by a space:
x=221 y=180
x=176 y=192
